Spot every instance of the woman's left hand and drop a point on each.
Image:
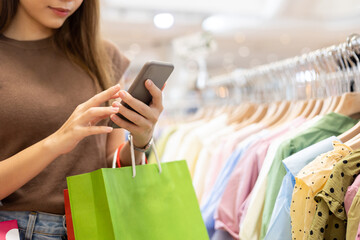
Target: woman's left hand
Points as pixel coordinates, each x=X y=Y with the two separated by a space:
x=143 y=121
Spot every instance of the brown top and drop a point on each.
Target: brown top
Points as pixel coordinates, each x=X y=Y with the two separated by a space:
x=39 y=89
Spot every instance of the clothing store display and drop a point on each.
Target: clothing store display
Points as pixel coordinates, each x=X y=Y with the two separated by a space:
x=174 y=141
x=210 y=205
x=250 y=225
x=54 y=93
x=330 y=217
x=321 y=130
x=161 y=144
x=193 y=143
x=255 y=135
x=280 y=223
x=227 y=148
x=309 y=182
x=242 y=180
x=210 y=155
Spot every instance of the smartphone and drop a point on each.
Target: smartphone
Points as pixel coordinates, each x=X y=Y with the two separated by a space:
x=156 y=71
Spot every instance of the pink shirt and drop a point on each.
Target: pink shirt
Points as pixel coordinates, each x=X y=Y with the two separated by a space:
x=350 y=193
x=358 y=234
x=223 y=152
x=233 y=202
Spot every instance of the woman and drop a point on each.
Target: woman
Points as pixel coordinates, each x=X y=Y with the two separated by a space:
x=52 y=63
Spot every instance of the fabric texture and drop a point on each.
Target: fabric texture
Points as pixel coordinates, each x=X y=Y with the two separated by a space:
x=250 y=224
x=213 y=150
x=310 y=180
x=211 y=204
x=321 y=130
x=161 y=144
x=350 y=193
x=330 y=217
x=192 y=144
x=280 y=223
x=39 y=89
x=353 y=216
x=175 y=140
x=220 y=160
x=242 y=181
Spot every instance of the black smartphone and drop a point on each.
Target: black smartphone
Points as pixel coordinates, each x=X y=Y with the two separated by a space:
x=156 y=71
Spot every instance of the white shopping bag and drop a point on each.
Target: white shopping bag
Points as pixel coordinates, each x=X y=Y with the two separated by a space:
x=9 y=230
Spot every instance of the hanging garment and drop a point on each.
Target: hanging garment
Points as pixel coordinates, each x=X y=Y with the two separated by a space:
x=221 y=235
x=353 y=216
x=330 y=218
x=192 y=144
x=242 y=181
x=220 y=160
x=161 y=143
x=174 y=141
x=250 y=224
x=321 y=130
x=208 y=209
x=280 y=223
x=350 y=193
x=352 y=200
x=310 y=180
x=213 y=146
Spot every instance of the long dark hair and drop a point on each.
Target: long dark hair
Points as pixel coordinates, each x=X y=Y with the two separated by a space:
x=79 y=38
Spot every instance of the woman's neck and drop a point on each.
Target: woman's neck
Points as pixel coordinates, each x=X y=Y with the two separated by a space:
x=25 y=28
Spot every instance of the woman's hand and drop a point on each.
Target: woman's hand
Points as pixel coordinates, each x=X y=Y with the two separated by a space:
x=83 y=120
x=143 y=121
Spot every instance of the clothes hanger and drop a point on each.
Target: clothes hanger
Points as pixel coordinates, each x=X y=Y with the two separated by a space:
x=317 y=108
x=352 y=136
x=350 y=102
x=241 y=113
x=255 y=118
x=320 y=86
x=281 y=112
x=272 y=110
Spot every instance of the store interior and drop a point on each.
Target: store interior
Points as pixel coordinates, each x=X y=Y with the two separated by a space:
x=209 y=39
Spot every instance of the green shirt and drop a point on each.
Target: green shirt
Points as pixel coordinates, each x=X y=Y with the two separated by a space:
x=330 y=217
x=332 y=124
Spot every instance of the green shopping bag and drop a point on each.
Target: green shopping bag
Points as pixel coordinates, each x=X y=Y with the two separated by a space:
x=158 y=203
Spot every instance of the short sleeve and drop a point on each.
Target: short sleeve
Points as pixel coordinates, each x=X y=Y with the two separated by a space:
x=118 y=60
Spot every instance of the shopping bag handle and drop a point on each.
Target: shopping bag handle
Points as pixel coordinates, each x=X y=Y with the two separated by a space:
x=132 y=153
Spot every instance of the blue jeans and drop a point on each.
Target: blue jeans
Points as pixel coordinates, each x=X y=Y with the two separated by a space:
x=37 y=225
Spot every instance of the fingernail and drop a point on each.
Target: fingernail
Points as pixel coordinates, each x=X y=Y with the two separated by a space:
x=122 y=94
x=149 y=82
x=109 y=129
x=115 y=109
x=117 y=86
x=116 y=104
x=113 y=117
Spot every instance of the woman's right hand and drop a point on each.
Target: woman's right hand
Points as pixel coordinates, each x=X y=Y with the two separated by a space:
x=83 y=120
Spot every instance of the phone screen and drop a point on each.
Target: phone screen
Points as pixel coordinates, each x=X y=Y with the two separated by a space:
x=158 y=72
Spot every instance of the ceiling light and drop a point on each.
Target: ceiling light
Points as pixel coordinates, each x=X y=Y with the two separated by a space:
x=164 y=20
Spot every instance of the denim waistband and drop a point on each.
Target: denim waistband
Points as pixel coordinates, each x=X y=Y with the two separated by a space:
x=45 y=223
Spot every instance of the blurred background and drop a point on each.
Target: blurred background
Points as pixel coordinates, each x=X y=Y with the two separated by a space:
x=208 y=38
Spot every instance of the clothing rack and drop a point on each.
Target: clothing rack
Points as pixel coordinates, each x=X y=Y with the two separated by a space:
x=321 y=67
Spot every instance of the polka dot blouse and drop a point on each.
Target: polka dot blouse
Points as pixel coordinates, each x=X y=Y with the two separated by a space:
x=310 y=180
